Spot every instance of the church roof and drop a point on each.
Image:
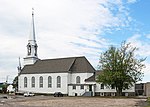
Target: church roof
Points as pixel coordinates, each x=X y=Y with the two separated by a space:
x=90 y=79
x=71 y=64
x=93 y=77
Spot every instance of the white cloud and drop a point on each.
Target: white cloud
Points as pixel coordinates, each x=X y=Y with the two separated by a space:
x=148 y=36
x=143 y=46
x=143 y=52
x=63 y=28
x=131 y=1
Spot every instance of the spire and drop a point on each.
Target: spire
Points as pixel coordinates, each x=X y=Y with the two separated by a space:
x=31 y=57
x=19 y=66
x=32 y=32
x=19 y=63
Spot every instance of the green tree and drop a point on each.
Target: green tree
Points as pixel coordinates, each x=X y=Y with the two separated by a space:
x=120 y=68
x=15 y=83
x=4 y=87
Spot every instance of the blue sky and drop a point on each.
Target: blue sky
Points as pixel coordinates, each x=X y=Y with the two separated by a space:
x=139 y=24
x=69 y=28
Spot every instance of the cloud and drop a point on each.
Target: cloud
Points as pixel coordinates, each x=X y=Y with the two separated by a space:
x=142 y=44
x=131 y=1
x=148 y=36
x=143 y=51
x=146 y=72
x=63 y=28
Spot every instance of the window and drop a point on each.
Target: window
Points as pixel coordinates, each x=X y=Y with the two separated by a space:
x=102 y=86
x=78 y=80
x=113 y=94
x=112 y=86
x=33 y=82
x=101 y=94
x=41 y=82
x=126 y=85
x=49 y=82
x=82 y=86
x=74 y=87
x=58 y=82
x=25 y=82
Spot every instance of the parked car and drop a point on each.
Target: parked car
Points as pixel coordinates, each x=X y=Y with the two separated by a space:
x=28 y=94
x=58 y=94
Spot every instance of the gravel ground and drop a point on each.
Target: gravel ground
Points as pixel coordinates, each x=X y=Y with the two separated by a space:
x=49 y=101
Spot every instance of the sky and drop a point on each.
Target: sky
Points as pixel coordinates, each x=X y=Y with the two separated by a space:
x=68 y=28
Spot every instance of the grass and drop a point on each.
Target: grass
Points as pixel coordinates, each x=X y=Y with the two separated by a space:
x=148 y=102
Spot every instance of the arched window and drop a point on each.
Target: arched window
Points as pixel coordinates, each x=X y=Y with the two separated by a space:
x=58 y=82
x=33 y=82
x=25 y=82
x=78 y=80
x=49 y=82
x=41 y=82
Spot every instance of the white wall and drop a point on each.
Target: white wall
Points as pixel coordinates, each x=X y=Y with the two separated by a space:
x=78 y=90
x=30 y=60
x=106 y=89
x=45 y=89
x=98 y=88
x=83 y=76
x=66 y=78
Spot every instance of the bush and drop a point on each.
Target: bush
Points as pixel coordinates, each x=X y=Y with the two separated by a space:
x=148 y=101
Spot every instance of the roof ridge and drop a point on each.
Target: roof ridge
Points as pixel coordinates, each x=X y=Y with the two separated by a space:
x=72 y=64
x=62 y=58
x=89 y=64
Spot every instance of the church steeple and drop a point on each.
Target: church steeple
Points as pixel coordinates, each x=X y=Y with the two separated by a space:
x=32 y=33
x=32 y=45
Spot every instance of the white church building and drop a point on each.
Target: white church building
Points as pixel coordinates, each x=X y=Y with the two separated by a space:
x=72 y=76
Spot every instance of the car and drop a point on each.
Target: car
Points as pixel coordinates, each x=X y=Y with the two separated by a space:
x=58 y=94
x=28 y=94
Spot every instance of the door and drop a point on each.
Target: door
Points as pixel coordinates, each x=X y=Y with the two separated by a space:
x=90 y=87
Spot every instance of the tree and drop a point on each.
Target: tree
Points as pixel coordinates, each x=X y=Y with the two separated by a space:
x=120 y=68
x=15 y=83
x=4 y=87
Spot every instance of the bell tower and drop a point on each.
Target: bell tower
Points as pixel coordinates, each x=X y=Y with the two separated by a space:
x=31 y=57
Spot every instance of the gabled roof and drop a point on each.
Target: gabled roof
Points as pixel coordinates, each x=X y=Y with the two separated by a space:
x=93 y=77
x=90 y=79
x=71 y=64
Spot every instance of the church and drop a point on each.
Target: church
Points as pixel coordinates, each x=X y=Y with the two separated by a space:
x=72 y=76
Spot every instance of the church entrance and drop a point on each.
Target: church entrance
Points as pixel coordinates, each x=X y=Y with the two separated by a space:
x=90 y=87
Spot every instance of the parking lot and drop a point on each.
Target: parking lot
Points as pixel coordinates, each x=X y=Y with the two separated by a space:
x=50 y=101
